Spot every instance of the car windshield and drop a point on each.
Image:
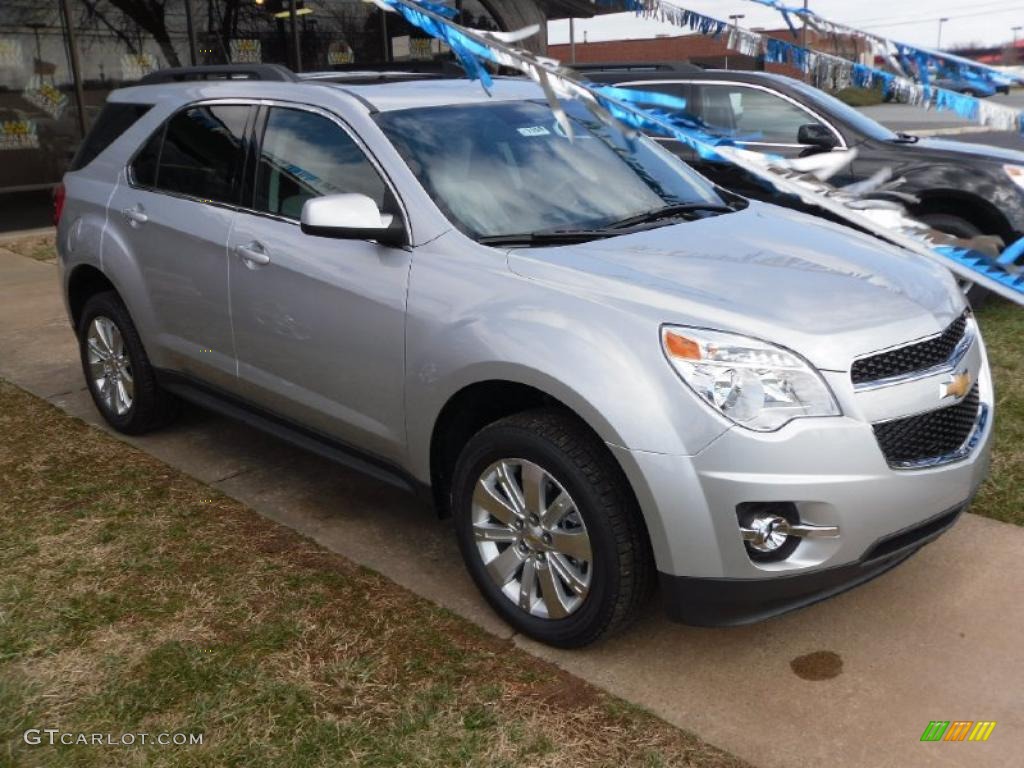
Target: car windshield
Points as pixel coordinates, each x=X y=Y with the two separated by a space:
x=503 y=168
x=842 y=111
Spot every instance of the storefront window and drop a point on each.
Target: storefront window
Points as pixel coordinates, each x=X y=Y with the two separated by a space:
x=120 y=41
x=38 y=114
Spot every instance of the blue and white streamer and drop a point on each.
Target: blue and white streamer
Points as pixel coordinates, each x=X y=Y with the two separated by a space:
x=632 y=110
x=945 y=65
x=912 y=86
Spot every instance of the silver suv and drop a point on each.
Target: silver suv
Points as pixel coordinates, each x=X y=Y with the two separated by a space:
x=607 y=370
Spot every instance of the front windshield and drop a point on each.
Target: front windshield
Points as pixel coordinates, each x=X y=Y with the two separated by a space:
x=502 y=168
x=842 y=111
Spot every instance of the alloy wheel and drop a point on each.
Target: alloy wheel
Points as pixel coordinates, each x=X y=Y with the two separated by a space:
x=532 y=539
x=110 y=367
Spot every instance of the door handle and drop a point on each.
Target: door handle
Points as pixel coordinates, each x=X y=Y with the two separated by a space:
x=253 y=254
x=135 y=215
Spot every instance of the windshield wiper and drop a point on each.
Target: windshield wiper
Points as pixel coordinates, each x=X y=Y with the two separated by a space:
x=906 y=138
x=545 y=237
x=670 y=211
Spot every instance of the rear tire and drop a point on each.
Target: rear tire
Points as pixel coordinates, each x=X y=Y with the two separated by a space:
x=121 y=380
x=564 y=592
x=957 y=227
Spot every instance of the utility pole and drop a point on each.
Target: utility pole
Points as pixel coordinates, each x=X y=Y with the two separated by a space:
x=803 y=40
x=572 y=40
x=735 y=19
x=292 y=17
x=192 y=47
x=942 y=21
x=76 y=67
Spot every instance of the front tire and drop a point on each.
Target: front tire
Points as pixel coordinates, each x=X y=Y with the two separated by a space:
x=549 y=529
x=965 y=230
x=121 y=380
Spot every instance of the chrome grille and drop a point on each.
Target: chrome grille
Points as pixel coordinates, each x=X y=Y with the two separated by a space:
x=913 y=357
x=916 y=439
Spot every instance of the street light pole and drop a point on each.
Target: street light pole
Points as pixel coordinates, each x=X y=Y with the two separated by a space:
x=735 y=19
x=803 y=38
x=942 y=21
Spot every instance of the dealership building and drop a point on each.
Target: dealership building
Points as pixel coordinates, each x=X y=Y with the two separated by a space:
x=60 y=58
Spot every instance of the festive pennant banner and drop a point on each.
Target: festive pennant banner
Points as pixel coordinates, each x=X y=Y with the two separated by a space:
x=914 y=85
x=928 y=64
x=633 y=110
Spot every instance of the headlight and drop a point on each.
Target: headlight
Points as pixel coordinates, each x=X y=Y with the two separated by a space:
x=1016 y=174
x=757 y=385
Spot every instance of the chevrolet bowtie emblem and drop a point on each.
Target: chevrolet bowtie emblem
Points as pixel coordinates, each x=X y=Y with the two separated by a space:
x=958 y=386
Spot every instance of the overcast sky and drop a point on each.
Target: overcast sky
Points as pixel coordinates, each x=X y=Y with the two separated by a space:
x=911 y=21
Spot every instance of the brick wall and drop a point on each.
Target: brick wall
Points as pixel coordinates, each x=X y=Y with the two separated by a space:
x=698 y=49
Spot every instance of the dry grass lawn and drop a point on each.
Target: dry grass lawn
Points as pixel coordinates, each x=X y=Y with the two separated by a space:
x=135 y=599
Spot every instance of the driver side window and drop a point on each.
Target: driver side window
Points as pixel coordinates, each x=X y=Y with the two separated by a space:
x=750 y=114
x=305 y=155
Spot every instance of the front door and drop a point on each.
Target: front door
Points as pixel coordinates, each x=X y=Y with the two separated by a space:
x=756 y=118
x=173 y=214
x=319 y=322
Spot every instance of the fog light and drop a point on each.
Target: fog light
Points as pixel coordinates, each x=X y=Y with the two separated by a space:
x=767 y=533
x=771 y=531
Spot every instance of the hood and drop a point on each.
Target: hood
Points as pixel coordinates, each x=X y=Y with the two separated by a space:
x=820 y=289
x=995 y=154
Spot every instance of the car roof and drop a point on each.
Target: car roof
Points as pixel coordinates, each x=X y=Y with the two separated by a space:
x=388 y=97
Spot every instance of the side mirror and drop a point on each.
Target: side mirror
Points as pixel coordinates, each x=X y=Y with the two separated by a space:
x=351 y=216
x=816 y=135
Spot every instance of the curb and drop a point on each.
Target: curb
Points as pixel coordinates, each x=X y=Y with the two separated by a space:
x=6 y=237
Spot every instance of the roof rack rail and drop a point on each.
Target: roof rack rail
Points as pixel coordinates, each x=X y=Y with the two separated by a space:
x=274 y=72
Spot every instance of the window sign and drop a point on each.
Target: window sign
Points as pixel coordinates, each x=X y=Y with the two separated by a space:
x=45 y=96
x=246 y=51
x=18 y=134
x=10 y=53
x=339 y=53
x=135 y=66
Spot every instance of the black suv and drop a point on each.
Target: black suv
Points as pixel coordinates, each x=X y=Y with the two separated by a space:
x=964 y=189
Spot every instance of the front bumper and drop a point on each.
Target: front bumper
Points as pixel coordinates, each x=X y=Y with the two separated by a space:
x=835 y=474
x=732 y=602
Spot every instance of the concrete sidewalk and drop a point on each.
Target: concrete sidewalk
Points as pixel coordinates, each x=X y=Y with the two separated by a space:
x=939 y=638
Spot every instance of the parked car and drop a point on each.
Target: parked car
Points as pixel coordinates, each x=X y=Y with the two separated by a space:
x=606 y=370
x=964 y=189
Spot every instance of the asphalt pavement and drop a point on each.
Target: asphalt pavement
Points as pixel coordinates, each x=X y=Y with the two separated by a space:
x=947 y=125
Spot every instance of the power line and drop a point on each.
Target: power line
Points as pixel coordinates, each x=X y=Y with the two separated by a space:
x=936 y=18
x=878 y=20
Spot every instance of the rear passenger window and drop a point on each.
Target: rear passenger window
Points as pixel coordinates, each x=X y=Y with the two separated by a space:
x=144 y=166
x=305 y=155
x=203 y=153
x=114 y=120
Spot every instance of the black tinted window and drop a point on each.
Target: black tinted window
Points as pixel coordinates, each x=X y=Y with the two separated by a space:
x=144 y=165
x=202 y=153
x=114 y=120
x=306 y=155
x=750 y=114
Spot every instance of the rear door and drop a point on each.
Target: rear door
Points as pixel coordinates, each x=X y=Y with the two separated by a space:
x=174 y=215
x=319 y=322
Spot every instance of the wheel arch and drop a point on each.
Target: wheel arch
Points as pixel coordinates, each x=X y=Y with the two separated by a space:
x=477 y=404
x=968 y=206
x=85 y=281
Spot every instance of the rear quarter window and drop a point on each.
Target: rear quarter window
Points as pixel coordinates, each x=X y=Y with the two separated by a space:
x=114 y=120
